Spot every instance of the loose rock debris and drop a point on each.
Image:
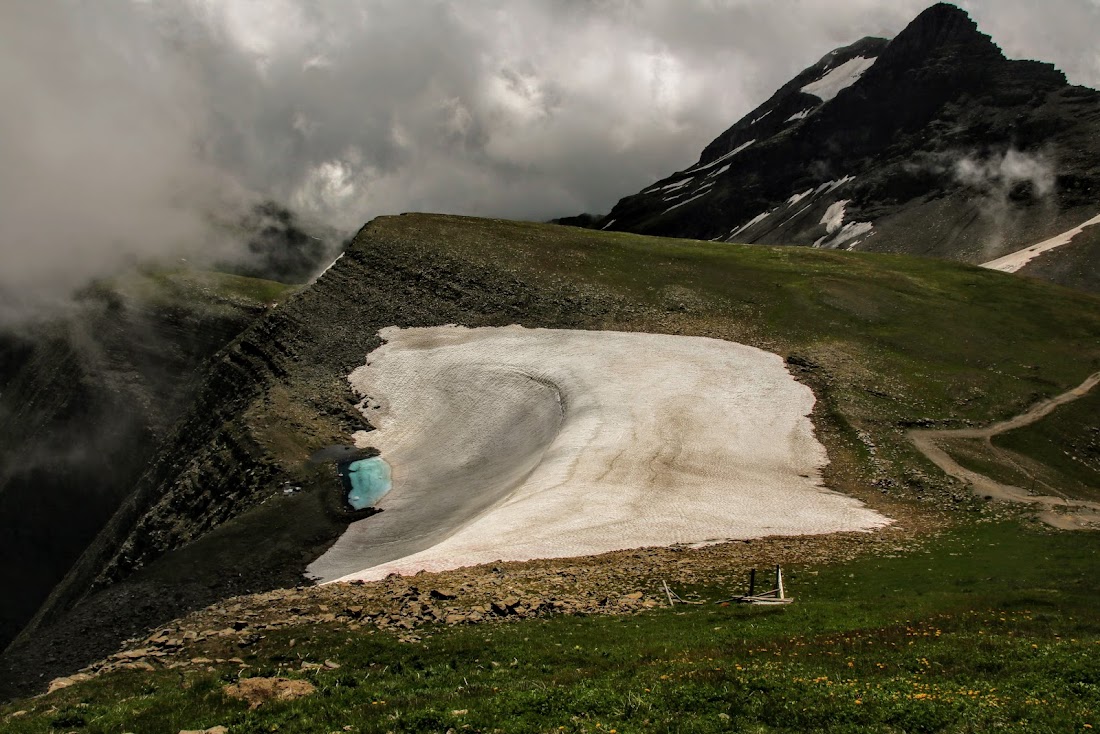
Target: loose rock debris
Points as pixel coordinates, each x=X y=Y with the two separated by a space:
x=258 y=691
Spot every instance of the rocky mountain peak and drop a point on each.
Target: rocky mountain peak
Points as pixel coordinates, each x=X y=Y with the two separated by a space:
x=870 y=148
x=939 y=25
x=939 y=29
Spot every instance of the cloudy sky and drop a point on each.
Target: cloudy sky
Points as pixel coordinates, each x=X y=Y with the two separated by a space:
x=128 y=124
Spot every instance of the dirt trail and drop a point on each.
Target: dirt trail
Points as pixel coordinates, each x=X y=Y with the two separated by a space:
x=1075 y=515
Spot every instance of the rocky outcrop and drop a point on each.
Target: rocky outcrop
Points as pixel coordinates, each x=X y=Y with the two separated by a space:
x=415 y=608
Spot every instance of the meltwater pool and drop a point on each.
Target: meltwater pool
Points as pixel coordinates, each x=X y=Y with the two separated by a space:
x=370 y=480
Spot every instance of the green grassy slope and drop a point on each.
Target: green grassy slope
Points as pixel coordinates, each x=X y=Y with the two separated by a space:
x=886 y=342
x=992 y=626
x=1067 y=445
x=196 y=287
x=954 y=334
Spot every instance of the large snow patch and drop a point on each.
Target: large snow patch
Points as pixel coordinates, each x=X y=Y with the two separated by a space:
x=839 y=78
x=513 y=444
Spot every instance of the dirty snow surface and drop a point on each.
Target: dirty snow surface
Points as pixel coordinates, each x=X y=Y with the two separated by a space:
x=509 y=443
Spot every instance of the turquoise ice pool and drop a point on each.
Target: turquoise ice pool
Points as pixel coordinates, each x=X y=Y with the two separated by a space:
x=369 y=479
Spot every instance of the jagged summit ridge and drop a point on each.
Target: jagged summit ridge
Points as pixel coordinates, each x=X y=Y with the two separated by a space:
x=941 y=25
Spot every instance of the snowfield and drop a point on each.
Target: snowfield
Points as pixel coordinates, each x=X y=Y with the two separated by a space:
x=834 y=215
x=514 y=444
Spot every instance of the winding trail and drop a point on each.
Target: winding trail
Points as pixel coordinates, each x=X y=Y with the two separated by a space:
x=1077 y=514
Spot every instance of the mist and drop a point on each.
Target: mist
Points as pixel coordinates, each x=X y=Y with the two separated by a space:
x=136 y=129
x=1001 y=178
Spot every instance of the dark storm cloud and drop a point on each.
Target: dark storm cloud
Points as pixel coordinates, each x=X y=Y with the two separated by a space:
x=128 y=126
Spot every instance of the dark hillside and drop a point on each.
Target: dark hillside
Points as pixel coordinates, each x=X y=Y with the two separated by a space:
x=84 y=400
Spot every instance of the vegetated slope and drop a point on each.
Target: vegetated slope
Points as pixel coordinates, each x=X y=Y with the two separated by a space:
x=932 y=143
x=1067 y=441
x=989 y=626
x=885 y=341
x=84 y=400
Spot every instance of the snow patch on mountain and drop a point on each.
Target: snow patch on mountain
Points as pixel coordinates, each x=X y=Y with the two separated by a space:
x=800 y=115
x=800 y=211
x=714 y=163
x=513 y=444
x=1013 y=261
x=848 y=232
x=668 y=187
x=799 y=197
x=685 y=192
x=851 y=230
x=830 y=186
x=834 y=215
x=685 y=201
x=677 y=184
x=839 y=78
x=755 y=220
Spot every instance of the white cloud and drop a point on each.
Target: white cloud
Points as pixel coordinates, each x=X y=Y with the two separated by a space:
x=124 y=121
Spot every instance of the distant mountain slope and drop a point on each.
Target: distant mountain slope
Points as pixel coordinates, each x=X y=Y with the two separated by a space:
x=932 y=143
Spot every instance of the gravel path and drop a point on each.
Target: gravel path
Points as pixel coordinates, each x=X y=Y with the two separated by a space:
x=1076 y=514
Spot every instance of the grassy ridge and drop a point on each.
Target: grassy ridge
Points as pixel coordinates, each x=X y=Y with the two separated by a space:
x=185 y=286
x=886 y=342
x=994 y=625
x=947 y=331
x=1058 y=455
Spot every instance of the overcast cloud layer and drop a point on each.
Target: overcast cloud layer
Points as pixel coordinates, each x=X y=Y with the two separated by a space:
x=128 y=124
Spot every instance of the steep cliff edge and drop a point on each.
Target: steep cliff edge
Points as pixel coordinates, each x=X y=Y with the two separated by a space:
x=277 y=393
x=84 y=399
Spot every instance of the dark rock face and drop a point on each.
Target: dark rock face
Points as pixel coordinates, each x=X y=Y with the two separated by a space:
x=934 y=144
x=84 y=399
